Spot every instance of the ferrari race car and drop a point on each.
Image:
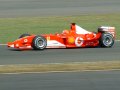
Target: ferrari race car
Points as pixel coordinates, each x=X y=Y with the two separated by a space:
x=73 y=38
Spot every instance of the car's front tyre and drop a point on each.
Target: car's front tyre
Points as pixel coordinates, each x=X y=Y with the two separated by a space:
x=39 y=43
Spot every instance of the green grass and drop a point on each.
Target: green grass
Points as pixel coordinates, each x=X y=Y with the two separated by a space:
x=61 y=67
x=12 y=28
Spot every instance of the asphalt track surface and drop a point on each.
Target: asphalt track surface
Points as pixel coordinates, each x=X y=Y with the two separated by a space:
x=12 y=56
x=26 y=8
x=102 y=80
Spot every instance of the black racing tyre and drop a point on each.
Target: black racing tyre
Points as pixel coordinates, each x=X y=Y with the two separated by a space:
x=106 y=40
x=24 y=35
x=39 y=43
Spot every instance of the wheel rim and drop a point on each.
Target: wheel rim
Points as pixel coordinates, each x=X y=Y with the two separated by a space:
x=40 y=43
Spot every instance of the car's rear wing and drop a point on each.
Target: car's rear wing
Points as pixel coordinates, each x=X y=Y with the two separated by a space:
x=107 y=29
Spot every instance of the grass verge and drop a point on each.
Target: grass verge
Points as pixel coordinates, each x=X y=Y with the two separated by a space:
x=60 y=67
x=12 y=28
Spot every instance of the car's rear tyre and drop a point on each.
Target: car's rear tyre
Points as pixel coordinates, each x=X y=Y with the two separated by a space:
x=24 y=35
x=106 y=40
x=39 y=43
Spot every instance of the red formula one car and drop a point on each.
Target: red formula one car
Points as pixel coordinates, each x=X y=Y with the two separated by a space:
x=73 y=38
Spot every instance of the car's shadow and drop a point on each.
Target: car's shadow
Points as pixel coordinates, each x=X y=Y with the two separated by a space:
x=12 y=49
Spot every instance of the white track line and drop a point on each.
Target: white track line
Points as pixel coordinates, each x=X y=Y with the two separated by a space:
x=3 y=44
x=60 y=71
